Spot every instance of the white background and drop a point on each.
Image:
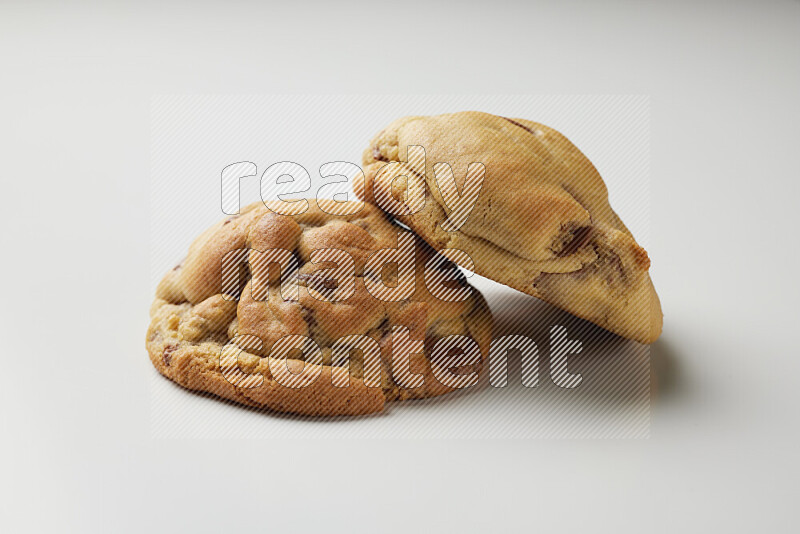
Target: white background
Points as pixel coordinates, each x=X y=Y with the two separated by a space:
x=77 y=448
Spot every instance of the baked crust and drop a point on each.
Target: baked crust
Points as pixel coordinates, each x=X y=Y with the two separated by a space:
x=191 y=320
x=542 y=223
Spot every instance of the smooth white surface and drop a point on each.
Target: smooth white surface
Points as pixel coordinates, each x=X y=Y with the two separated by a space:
x=76 y=142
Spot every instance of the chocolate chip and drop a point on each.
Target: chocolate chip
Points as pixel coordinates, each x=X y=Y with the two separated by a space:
x=578 y=238
x=317 y=281
x=167 y=354
x=376 y=153
x=315 y=332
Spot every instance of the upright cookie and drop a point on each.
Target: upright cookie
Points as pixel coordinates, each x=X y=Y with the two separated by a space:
x=541 y=224
x=314 y=340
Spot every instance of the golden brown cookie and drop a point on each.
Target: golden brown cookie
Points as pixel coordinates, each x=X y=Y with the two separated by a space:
x=541 y=223
x=244 y=337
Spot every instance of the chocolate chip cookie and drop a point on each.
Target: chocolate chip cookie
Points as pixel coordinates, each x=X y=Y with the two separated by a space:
x=309 y=338
x=541 y=222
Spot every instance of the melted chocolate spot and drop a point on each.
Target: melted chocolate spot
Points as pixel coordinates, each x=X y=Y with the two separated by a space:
x=580 y=236
x=318 y=281
x=167 y=354
x=376 y=153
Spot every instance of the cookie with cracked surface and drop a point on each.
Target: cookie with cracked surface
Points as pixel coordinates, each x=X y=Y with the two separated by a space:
x=541 y=224
x=206 y=337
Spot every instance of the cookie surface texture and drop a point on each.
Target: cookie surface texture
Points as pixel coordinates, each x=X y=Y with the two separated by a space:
x=541 y=223
x=246 y=338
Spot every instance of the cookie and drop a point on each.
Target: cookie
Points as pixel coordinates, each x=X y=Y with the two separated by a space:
x=312 y=339
x=541 y=224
